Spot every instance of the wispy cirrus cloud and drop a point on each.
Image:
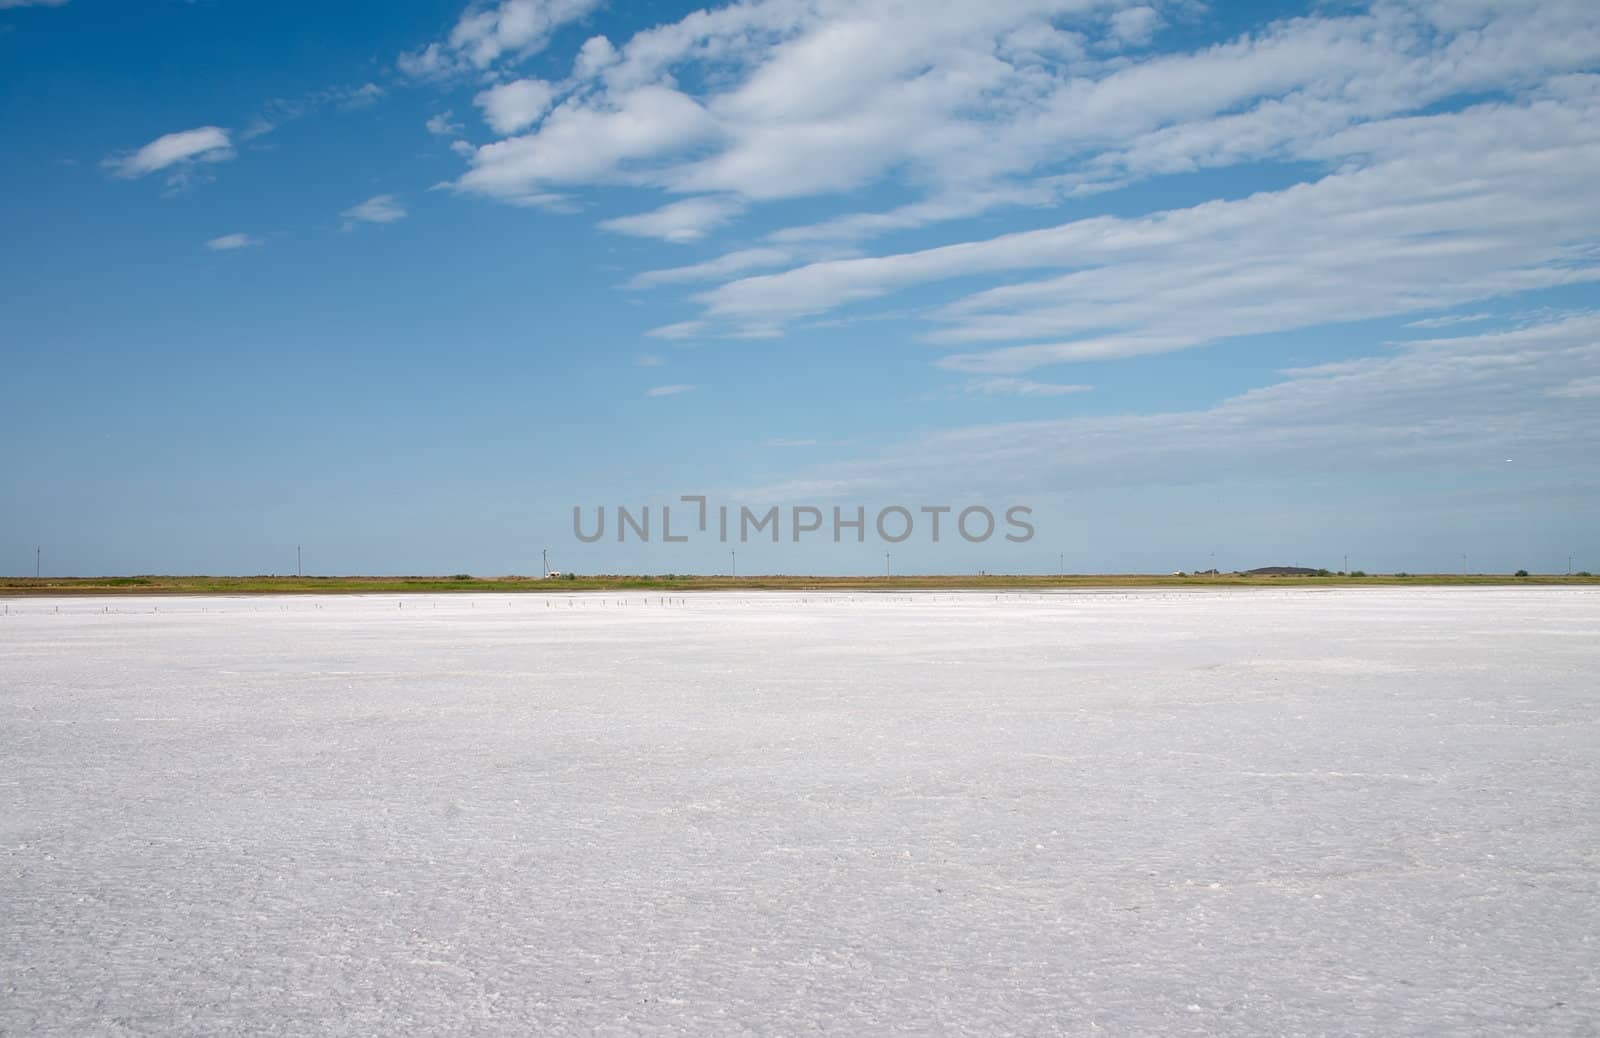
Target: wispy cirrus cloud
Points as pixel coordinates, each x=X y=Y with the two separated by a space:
x=1032 y=104
x=1001 y=386
x=279 y=111
x=724 y=266
x=1469 y=401
x=680 y=330
x=378 y=209
x=439 y=125
x=672 y=390
x=174 y=152
x=1439 y=210
x=685 y=221
x=230 y=242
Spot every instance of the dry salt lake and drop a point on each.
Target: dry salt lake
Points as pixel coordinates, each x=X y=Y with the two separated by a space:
x=1256 y=812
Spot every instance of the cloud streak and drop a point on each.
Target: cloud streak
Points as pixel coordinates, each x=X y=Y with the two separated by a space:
x=231 y=242
x=202 y=144
x=379 y=209
x=1464 y=402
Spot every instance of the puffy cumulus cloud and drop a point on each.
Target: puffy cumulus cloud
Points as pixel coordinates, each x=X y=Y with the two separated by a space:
x=486 y=33
x=203 y=144
x=585 y=141
x=802 y=98
x=595 y=56
x=1134 y=25
x=510 y=107
x=807 y=97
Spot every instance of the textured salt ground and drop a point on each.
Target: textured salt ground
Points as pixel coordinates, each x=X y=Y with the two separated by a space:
x=1258 y=813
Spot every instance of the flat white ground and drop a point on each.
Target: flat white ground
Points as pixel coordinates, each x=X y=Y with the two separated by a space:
x=1248 y=813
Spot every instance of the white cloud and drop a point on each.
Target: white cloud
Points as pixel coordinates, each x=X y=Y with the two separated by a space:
x=680 y=330
x=510 y=107
x=1448 y=321
x=279 y=111
x=1579 y=388
x=672 y=390
x=595 y=56
x=204 y=144
x=1001 y=101
x=1447 y=209
x=229 y=242
x=440 y=125
x=1470 y=401
x=724 y=266
x=1134 y=25
x=32 y=3
x=1409 y=207
x=588 y=142
x=486 y=33
x=1000 y=386
x=802 y=97
x=363 y=96
x=377 y=209
x=685 y=221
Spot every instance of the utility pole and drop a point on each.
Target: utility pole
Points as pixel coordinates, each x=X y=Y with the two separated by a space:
x=733 y=570
x=37 y=552
x=1063 y=566
x=886 y=564
x=298 y=570
x=1569 y=565
x=544 y=556
x=1463 y=564
x=1346 y=570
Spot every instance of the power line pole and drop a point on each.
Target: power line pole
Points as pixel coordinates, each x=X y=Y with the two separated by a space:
x=1569 y=565
x=37 y=551
x=1346 y=569
x=298 y=570
x=733 y=570
x=1063 y=566
x=1463 y=564
x=544 y=556
x=886 y=564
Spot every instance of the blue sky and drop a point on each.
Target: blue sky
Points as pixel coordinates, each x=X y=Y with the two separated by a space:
x=404 y=283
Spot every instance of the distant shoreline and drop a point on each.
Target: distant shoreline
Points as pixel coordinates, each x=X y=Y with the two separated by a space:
x=29 y=587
